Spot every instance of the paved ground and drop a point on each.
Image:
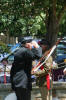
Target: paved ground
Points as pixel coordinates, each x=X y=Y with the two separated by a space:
x=35 y=96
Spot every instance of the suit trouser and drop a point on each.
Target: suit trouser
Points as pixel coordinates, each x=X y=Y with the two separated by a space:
x=44 y=93
x=23 y=94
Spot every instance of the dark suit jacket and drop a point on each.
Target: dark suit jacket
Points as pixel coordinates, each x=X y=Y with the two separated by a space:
x=20 y=74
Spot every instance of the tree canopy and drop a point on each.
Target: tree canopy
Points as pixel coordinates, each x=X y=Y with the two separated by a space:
x=33 y=17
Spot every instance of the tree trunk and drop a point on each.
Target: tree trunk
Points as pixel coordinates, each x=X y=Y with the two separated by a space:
x=52 y=28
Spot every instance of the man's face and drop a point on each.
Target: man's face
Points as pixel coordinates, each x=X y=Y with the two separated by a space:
x=44 y=47
x=28 y=45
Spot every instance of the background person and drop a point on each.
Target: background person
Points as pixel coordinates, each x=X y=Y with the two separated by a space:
x=64 y=71
x=21 y=69
x=62 y=78
x=4 y=71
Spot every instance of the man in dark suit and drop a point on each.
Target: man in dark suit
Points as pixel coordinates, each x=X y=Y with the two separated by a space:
x=21 y=68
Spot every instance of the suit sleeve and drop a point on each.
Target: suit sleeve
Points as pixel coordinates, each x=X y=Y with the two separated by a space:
x=35 y=53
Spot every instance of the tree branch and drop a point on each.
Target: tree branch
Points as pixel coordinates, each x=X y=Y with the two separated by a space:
x=61 y=13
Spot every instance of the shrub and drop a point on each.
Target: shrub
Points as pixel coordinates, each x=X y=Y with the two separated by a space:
x=3 y=47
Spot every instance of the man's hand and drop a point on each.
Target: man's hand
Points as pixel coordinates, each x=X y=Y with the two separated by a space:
x=35 y=44
x=39 y=73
